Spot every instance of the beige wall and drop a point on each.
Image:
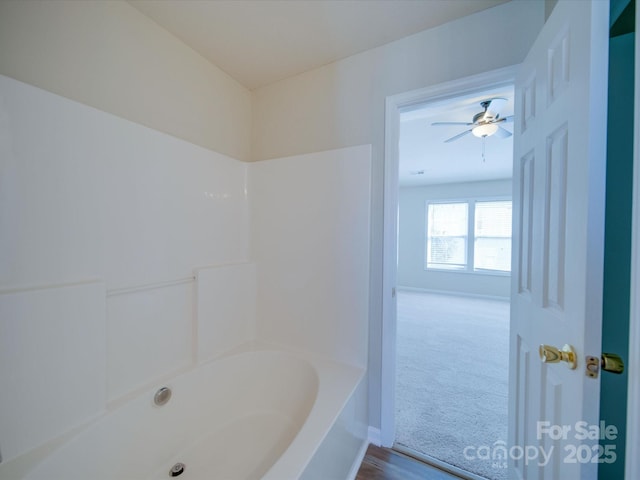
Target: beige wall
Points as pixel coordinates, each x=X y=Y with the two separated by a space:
x=108 y=55
x=412 y=236
x=342 y=104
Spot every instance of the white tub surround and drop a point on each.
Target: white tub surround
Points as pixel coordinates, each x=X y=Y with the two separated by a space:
x=87 y=195
x=45 y=390
x=183 y=282
x=310 y=241
x=164 y=318
x=226 y=308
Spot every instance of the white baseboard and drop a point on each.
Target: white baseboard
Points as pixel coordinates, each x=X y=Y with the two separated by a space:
x=358 y=461
x=402 y=288
x=375 y=436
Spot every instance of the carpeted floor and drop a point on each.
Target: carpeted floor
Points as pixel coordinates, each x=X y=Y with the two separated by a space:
x=452 y=378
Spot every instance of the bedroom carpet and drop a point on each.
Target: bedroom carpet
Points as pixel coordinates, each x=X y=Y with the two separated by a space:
x=452 y=378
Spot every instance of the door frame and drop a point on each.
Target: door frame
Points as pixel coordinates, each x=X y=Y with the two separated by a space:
x=632 y=467
x=394 y=104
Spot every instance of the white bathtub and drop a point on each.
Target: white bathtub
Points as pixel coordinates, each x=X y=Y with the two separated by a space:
x=258 y=414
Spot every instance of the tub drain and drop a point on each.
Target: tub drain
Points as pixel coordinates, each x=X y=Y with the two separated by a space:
x=176 y=470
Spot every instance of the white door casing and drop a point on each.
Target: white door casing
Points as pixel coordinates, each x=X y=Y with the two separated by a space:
x=394 y=104
x=558 y=243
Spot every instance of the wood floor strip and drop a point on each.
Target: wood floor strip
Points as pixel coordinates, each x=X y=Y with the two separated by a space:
x=386 y=464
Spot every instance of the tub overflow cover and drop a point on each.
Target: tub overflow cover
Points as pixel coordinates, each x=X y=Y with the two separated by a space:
x=162 y=396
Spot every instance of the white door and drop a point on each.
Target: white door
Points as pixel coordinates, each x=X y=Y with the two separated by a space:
x=559 y=179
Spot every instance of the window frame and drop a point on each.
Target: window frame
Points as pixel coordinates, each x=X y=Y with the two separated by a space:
x=471 y=237
x=455 y=267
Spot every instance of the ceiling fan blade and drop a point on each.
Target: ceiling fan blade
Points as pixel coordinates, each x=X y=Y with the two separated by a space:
x=502 y=133
x=450 y=123
x=496 y=105
x=456 y=137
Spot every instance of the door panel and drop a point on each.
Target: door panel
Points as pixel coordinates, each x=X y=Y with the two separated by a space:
x=559 y=164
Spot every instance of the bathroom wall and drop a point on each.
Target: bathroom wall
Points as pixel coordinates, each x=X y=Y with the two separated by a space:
x=104 y=226
x=412 y=238
x=310 y=242
x=130 y=255
x=92 y=202
x=342 y=104
x=108 y=55
x=92 y=199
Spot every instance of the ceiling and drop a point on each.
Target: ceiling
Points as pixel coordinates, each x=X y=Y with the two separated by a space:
x=422 y=147
x=258 y=42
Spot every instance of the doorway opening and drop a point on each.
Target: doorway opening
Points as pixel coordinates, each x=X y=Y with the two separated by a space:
x=449 y=319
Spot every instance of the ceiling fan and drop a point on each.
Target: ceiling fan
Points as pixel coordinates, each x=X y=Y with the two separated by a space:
x=485 y=123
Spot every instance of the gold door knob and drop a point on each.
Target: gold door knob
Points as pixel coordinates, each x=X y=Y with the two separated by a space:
x=549 y=354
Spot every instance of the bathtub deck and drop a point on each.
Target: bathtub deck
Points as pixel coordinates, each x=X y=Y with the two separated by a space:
x=386 y=464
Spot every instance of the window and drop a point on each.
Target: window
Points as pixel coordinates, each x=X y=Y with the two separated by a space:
x=447 y=237
x=492 y=236
x=472 y=235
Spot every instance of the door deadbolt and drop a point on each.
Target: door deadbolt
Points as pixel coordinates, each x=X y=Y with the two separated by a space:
x=609 y=362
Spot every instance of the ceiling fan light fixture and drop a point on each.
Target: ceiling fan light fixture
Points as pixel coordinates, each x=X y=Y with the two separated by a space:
x=485 y=130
